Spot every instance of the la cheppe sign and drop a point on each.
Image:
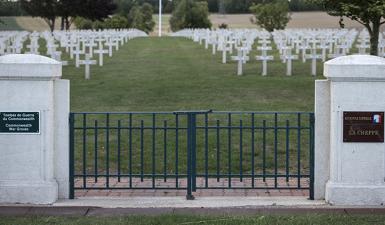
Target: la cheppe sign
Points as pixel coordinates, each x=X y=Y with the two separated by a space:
x=19 y=122
x=363 y=127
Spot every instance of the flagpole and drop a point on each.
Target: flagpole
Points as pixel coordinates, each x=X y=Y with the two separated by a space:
x=160 y=18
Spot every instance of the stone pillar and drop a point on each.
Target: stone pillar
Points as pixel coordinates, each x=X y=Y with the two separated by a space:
x=350 y=172
x=34 y=111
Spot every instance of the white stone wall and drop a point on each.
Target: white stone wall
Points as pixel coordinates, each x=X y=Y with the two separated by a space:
x=34 y=167
x=355 y=172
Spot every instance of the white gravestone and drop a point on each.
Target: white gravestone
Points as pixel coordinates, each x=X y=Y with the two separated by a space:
x=34 y=140
x=264 y=58
x=350 y=159
x=100 y=51
x=240 y=58
x=314 y=56
x=87 y=64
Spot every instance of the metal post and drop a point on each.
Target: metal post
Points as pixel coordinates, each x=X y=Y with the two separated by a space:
x=71 y=156
x=189 y=195
x=160 y=18
x=191 y=150
x=311 y=158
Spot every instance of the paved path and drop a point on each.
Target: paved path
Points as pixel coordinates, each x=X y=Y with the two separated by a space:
x=239 y=188
x=181 y=202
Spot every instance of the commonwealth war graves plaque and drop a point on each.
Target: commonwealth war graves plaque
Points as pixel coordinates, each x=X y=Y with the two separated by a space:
x=363 y=127
x=19 y=122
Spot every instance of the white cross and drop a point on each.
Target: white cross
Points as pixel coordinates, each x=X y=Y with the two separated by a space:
x=87 y=62
x=109 y=44
x=241 y=58
x=264 y=58
x=101 y=51
x=313 y=56
x=91 y=44
x=77 y=53
x=225 y=49
x=288 y=58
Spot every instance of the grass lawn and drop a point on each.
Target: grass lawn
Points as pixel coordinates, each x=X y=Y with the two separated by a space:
x=315 y=219
x=9 y=23
x=169 y=74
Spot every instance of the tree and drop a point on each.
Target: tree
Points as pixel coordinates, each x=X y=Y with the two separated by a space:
x=49 y=10
x=46 y=9
x=369 y=13
x=96 y=9
x=190 y=14
x=140 y=17
x=115 y=22
x=148 y=22
x=271 y=16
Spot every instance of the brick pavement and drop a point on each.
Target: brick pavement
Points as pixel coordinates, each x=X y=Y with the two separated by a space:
x=239 y=188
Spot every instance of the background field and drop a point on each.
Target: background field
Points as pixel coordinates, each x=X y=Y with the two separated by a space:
x=299 y=20
x=168 y=74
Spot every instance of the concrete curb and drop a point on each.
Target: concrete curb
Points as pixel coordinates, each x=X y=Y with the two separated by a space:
x=94 y=211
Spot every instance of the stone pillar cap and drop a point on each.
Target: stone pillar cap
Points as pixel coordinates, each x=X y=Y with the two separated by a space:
x=355 y=68
x=29 y=67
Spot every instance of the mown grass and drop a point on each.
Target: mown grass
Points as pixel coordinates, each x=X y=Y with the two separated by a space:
x=9 y=23
x=173 y=74
x=315 y=219
x=170 y=74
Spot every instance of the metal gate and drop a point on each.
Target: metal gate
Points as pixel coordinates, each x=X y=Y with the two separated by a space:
x=191 y=150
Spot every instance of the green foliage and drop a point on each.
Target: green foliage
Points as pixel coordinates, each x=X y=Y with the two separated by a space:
x=271 y=16
x=49 y=10
x=141 y=18
x=190 y=14
x=46 y=9
x=148 y=22
x=10 y=8
x=83 y=23
x=369 y=13
x=115 y=22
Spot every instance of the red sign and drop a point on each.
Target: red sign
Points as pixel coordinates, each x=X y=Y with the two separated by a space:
x=364 y=127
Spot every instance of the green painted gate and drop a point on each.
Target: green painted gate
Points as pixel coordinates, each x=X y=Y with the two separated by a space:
x=191 y=150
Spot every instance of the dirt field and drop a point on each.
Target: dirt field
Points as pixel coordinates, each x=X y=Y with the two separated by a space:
x=299 y=20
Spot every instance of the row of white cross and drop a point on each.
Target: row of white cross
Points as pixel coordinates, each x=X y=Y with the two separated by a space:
x=307 y=44
x=75 y=43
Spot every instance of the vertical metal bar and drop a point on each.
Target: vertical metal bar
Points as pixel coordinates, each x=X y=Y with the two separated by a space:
x=176 y=150
x=165 y=150
x=311 y=160
x=229 y=149
x=141 y=150
x=275 y=150
x=108 y=150
x=287 y=150
x=119 y=152
x=264 y=151
x=241 y=150
x=96 y=151
x=153 y=150
x=206 y=151
x=252 y=150
x=130 y=148
x=218 y=152
x=194 y=151
x=72 y=156
x=84 y=150
x=189 y=195
x=299 y=150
